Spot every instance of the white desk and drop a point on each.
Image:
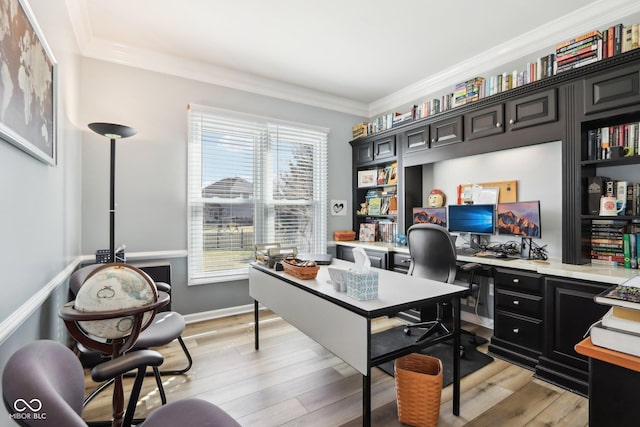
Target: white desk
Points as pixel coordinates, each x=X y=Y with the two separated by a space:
x=342 y=324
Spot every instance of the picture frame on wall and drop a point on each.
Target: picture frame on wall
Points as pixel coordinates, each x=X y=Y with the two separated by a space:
x=28 y=89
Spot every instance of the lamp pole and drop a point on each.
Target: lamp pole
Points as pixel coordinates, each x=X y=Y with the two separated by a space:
x=112 y=203
x=113 y=132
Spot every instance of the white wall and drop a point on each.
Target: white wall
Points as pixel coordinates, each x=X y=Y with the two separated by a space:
x=151 y=167
x=537 y=169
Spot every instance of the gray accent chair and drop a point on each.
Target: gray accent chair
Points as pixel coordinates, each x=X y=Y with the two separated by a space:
x=43 y=385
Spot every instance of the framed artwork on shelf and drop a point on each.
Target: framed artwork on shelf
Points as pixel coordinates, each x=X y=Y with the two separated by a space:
x=28 y=86
x=367 y=178
x=392 y=177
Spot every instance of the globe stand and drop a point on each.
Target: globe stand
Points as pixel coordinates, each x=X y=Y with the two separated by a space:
x=116 y=347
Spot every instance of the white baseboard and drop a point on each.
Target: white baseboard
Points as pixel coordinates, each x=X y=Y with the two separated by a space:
x=216 y=314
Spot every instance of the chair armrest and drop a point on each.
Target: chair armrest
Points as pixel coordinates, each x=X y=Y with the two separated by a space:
x=162 y=286
x=126 y=363
x=470 y=266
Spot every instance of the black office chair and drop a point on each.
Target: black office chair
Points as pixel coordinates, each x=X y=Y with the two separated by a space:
x=433 y=256
x=43 y=385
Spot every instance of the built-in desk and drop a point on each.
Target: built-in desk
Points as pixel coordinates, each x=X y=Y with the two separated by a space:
x=541 y=309
x=614 y=386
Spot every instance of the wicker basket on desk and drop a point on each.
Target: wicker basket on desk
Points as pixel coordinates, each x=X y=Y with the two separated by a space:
x=418 y=389
x=301 y=269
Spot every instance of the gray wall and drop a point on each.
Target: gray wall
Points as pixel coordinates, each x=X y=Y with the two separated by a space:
x=40 y=209
x=151 y=176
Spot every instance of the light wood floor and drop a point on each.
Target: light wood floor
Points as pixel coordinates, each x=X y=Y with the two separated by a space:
x=293 y=381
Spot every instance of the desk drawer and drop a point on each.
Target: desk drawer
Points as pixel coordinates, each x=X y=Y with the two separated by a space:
x=400 y=262
x=518 y=280
x=519 y=330
x=519 y=303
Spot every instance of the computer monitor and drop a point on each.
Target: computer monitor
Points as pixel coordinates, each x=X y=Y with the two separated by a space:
x=474 y=219
x=430 y=216
x=520 y=219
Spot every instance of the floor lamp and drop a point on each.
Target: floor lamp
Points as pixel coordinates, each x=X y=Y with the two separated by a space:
x=113 y=132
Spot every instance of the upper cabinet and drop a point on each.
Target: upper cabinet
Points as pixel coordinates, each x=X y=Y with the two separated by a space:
x=446 y=131
x=532 y=110
x=416 y=140
x=380 y=148
x=614 y=89
x=485 y=122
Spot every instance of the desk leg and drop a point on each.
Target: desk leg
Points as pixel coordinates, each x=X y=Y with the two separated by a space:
x=256 y=323
x=456 y=356
x=366 y=399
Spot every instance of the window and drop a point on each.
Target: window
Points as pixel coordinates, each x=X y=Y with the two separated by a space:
x=251 y=180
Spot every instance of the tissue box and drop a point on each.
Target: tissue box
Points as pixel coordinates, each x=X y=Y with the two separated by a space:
x=362 y=286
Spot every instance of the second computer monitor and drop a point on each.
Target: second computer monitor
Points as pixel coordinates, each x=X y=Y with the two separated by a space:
x=520 y=219
x=474 y=219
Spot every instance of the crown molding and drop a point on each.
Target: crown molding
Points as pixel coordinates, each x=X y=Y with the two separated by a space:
x=595 y=15
x=94 y=47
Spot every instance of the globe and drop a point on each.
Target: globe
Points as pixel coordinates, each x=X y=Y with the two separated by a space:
x=115 y=287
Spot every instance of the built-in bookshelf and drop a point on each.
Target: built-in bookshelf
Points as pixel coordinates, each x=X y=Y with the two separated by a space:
x=568 y=55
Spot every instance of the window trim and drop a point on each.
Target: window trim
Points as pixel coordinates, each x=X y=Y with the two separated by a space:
x=194 y=171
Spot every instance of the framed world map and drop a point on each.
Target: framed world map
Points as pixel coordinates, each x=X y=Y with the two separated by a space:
x=27 y=83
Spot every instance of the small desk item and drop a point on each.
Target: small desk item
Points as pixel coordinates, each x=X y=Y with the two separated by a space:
x=343 y=325
x=614 y=385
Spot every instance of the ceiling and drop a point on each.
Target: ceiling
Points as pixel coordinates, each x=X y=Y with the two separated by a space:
x=358 y=55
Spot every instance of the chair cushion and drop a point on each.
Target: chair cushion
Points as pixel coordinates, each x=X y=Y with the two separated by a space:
x=166 y=327
x=190 y=412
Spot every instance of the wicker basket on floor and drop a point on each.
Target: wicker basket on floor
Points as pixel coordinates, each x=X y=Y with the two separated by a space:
x=418 y=389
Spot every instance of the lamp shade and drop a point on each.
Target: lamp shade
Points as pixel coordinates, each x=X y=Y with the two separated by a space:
x=112 y=130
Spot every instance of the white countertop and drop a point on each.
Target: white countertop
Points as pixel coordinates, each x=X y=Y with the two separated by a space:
x=551 y=267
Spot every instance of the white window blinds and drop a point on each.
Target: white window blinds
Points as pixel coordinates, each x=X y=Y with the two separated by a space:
x=251 y=180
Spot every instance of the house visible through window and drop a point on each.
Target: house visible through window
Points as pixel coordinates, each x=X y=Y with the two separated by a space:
x=252 y=180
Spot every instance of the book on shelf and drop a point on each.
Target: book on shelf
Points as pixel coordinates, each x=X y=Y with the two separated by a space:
x=614 y=339
x=374 y=206
x=626 y=294
x=623 y=319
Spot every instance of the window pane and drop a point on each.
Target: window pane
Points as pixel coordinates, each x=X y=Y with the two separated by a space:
x=252 y=182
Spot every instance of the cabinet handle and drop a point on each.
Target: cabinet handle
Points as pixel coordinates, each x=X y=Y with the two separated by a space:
x=498 y=125
x=516 y=280
x=516 y=302
x=512 y=121
x=516 y=330
x=433 y=140
x=406 y=260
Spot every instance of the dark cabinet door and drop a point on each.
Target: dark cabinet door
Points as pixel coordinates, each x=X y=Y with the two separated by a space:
x=532 y=110
x=446 y=131
x=485 y=122
x=612 y=90
x=363 y=152
x=384 y=148
x=570 y=310
x=416 y=140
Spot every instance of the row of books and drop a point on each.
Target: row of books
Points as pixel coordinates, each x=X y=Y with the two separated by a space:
x=582 y=50
x=601 y=141
x=619 y=328
x=615 y=242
